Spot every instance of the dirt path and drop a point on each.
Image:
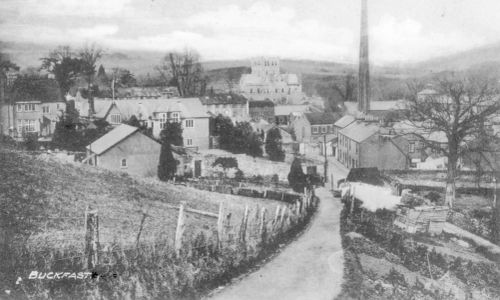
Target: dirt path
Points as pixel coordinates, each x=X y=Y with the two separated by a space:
x=309 y=268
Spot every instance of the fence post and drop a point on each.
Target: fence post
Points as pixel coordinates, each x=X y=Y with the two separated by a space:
x=180 y=229
x=91 y=238
x=282 y=217
x=282 y=196
x=144 y=215
x=353 y=197
x=262 y=229
x=227 y=226
x=220 y=225
x=243 y=227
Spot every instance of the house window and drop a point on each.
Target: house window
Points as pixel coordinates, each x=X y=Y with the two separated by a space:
x=26 y=126
x=46 y=109
x=323 y=129
x=357 y=148
x=57 y=105
x=411 y=147
x=163 y=120
x=175 y=117
x=189 y=123
x=123 y=163
x=19 y=108
x=116 y=119
x=189 y=142
x=251 y=91
x=315 y=129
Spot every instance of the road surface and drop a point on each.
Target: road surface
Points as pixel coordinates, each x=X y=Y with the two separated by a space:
x=309 y=268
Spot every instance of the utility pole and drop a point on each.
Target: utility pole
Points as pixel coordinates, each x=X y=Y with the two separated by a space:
x=326 y=160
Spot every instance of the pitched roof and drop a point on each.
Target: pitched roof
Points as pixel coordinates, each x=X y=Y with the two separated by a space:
x=261 y=103
x=285 y=110
x=428 y=92
x=360 y=130
x=144 y=108
x=344 y=121
x=388 y=105
x=320 y=118
x=223 y=99
x=111 y=138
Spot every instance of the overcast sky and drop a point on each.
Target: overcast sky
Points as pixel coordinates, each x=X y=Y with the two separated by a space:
x=401 y=30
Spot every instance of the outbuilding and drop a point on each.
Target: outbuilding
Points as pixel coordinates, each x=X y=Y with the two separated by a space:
x=125 y=149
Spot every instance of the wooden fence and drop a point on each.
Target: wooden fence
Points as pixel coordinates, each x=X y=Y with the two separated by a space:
x=256 y=228
x=245 y=189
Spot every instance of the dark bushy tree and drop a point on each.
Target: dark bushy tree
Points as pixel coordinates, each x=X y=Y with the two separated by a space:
x=172 y=134
x=273 y=145
x=296 y=177
x=168 y=165
x=66 y=136
x=65 y=67
x=223 y=128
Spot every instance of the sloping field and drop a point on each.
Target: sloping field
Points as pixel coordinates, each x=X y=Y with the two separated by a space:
x=121 y=202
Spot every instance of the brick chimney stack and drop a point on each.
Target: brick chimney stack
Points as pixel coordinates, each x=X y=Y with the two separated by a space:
x=364 y=63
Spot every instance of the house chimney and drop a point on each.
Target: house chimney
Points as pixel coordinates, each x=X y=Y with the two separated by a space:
x=364 y=63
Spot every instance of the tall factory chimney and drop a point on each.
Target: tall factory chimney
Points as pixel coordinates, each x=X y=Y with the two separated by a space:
x=364 y=63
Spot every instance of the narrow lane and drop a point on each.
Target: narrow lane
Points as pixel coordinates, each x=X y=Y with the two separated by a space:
x=309 y=268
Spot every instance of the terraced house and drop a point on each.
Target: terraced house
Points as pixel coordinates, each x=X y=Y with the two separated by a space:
x=155 y=113
x=24 y=111
x=364 y=144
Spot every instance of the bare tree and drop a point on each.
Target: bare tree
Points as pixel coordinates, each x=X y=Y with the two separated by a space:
x=460 y=109
x=184 y=71
x=90 y=55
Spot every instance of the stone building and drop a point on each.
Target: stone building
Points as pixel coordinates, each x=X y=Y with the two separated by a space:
x=267 y=82
x=125 y=149
x=229 y=105
x=262 y=110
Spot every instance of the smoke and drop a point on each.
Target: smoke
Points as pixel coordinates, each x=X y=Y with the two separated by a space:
x=375 y=197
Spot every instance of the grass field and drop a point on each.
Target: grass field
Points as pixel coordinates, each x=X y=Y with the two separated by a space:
x=120 y=200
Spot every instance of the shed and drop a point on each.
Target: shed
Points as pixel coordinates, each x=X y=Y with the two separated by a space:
x=429 y=219
x=125 y=149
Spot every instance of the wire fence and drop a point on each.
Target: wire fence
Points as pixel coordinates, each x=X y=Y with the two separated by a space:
x=96 y=243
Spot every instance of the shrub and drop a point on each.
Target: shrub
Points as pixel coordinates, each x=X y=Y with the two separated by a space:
x=226 y=162
x=273 y=145
x=296 y=177
x=239 y=175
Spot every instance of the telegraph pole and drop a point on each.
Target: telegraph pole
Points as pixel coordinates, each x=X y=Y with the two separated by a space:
x=326 y=160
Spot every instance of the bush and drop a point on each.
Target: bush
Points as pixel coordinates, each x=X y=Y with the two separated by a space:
x=296 y=177
x=31 y=141
x=226 y=162
x=239 y=175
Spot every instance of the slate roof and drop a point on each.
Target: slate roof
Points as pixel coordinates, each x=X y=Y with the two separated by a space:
x=223 y=99
x=388 y=105
x=320 y=118
x=262 y=103
x=285 y=110
x=145 y=108
x=344 y=121
x=111 y=138
x=360 y=131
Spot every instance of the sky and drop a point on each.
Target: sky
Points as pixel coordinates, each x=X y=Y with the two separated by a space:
x=400 y=30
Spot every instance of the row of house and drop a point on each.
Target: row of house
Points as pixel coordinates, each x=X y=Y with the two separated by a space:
x=25 y=112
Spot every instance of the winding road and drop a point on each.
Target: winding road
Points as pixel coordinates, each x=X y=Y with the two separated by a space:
x=309 y=268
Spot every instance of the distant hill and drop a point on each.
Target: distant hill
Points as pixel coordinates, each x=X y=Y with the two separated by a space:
x=485 y=56
x=143 y=62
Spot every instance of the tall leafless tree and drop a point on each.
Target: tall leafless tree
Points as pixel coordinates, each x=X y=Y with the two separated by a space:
x=185 y=71
x=460 y=109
